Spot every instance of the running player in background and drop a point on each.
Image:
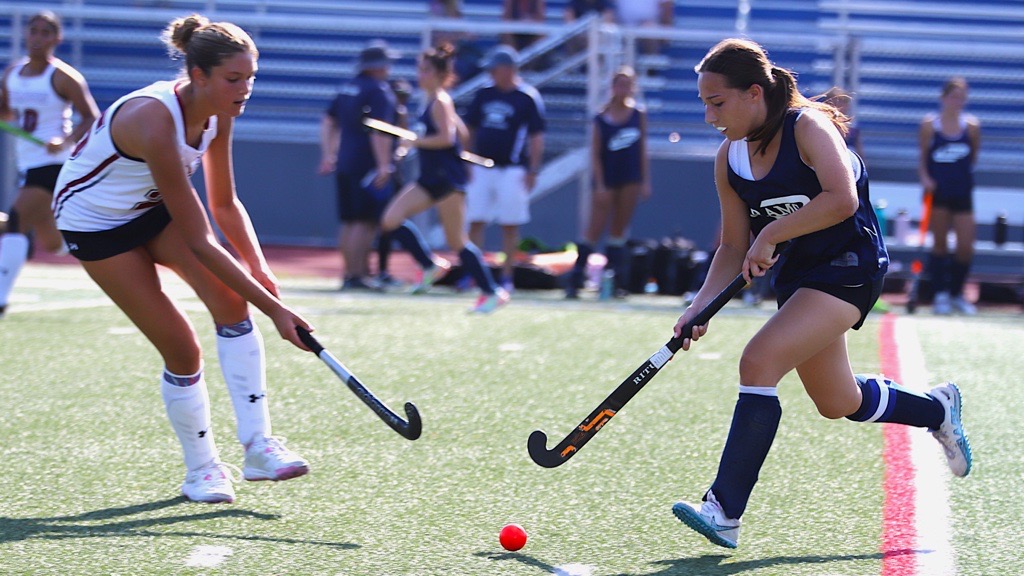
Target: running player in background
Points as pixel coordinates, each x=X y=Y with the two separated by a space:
x=361 y=159
x=506 y=123
x=621 y=168
x=785 y=177
x=38 y=94
x=441 y=183
x=949 y=143
x=124 y=204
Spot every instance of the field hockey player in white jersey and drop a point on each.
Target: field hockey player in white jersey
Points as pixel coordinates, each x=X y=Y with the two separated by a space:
x=37 y=95
x=124 y=204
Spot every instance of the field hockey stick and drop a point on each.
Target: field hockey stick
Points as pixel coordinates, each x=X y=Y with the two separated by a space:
x=410 y=428
x=917 y=266
x=398 y=131
x=18 y=132
x=591 y=425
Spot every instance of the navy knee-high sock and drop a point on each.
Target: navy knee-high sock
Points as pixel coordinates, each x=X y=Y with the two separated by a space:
x=615 y=251
x=754 y=423
x=408 y=235
x=958 y=276
x=886 y=401
x=473 y=261
x=938 y=272
x=579 y=268
x=383 y=252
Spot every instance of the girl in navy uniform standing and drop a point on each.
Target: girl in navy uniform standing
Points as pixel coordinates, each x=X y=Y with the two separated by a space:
x=793 y=197
x=949 y=142
x=618 y=156
x=441 y=183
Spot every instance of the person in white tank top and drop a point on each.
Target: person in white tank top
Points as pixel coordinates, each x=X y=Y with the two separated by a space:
x=37 y=95
x=124 y=204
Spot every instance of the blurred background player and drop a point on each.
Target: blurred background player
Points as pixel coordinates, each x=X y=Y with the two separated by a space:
x=38 y=94
x=124 y=204
x=949 y=142
x=361 y=159
x=785 y=177
x=506 y=123
x=441 y=183
x=621 y=168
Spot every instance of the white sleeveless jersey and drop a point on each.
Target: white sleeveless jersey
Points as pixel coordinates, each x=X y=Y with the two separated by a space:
x=40 y=111
x=100 y=189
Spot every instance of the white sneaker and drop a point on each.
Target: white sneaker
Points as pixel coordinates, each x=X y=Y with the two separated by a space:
x=211 y=483
x=268 y=459
x=961 y=305
x=709 y=520
x=951 y=434
x=942 y=305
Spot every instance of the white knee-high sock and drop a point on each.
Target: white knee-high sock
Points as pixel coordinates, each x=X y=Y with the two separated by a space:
x=188 y=408
x=13 y=253
x=243 y=362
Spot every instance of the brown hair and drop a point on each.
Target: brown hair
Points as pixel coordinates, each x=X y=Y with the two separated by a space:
x=50 y=18
x=954 y=83
x=206 y=44
x=440 y=59
x=744 y=63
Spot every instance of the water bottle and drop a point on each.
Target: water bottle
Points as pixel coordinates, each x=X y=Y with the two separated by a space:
x=883 y=225
x=902 y=228
x=999 y=235
x=607 y=289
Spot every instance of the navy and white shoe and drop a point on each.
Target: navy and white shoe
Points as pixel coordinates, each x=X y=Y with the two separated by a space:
x=710 y=520
x=951 y=434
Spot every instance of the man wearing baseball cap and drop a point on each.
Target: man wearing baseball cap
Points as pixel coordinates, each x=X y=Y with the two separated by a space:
x=506 y=123
x=361 y=161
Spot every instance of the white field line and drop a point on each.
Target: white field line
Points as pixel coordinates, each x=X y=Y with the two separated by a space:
x=931 y=475
x=573 y=570
x=207 y=556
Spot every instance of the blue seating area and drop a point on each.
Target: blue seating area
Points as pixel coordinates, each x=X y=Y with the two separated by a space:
x=898 y=79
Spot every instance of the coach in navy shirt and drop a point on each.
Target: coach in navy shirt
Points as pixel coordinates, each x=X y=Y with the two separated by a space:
x=361 y=160
x=506 y=123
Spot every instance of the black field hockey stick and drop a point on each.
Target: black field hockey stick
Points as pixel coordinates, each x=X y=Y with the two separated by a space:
x=399 y=132
x=917 y=266
x=410 y=428
x=591 y=425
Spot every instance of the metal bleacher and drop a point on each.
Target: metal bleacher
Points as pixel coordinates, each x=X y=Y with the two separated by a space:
x=894 y=55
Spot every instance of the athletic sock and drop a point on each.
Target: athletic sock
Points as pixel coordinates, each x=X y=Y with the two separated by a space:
x=615 y=251
x=938 y=272
x=579 y=268
x=886 y=401
x=958 y=276
x=383 y=252
x=188 y=408
x=408 y=235
x=243 y=363
x=13 y=253
x=473 y=261
x=754 y=423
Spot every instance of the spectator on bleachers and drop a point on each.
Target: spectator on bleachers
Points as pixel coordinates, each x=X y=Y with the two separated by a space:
x=621 y=179
x=445 y=9
x=506 y=123
x=577 y=9
x=647 y=13
x=842 y=99
x=362 y=162
x=949 y=142
x=525 y=11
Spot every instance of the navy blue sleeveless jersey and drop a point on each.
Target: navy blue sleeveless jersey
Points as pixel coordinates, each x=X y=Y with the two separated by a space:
x=849 y=253
x=949 y=162
x=440 y=169
x=503 y=120
x=356 y=99
x=620 y=150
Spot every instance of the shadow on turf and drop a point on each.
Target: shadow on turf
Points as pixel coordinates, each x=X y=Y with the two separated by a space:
x=111 y=522
x=710 y=564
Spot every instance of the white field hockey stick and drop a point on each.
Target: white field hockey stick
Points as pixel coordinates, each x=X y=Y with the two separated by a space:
x=411 y=136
